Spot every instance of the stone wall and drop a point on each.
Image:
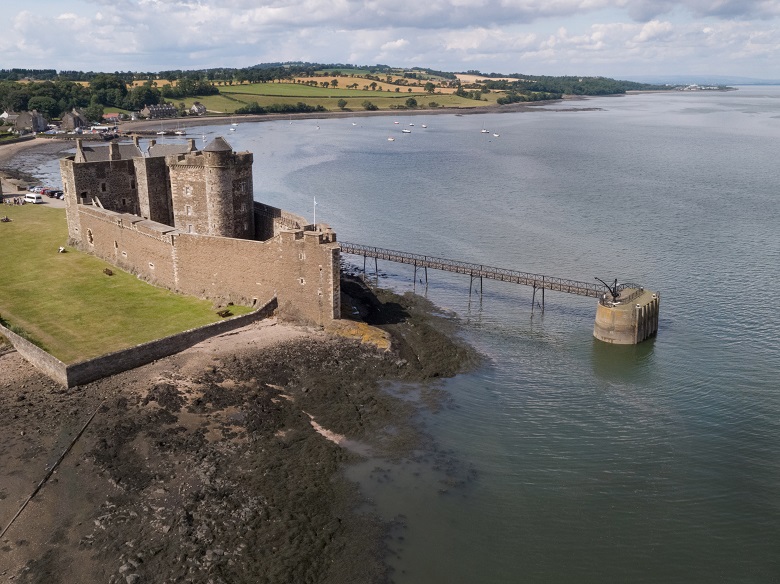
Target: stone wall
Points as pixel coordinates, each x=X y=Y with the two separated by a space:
x=39 y=358
x=300 y=268
x=126 y=359
x=270 y=221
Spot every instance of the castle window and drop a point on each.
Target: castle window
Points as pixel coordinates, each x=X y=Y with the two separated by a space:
x=103 y=187
x=124 y=254
x=302 y=281
x=116 y=245
x=124 y=202
x=189 y=228
x=90 y=237
x=151 y=265
x=188 y=209
x=132 y=183
x=188 y=191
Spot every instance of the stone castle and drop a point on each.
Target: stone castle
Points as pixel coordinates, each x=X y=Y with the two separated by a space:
x=185 y=219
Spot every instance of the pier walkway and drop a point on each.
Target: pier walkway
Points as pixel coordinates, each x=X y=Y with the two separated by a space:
x=537 y=281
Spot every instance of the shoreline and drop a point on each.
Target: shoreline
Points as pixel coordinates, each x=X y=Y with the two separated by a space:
x=11 y=179
x=224 y=459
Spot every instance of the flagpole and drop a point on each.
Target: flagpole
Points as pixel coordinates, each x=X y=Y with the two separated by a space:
x=315 y=213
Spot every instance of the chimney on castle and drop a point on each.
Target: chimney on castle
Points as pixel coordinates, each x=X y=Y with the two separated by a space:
x=113 y=151
x=191 y=143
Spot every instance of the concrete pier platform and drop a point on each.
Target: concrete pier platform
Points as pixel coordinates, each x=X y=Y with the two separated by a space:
x=629 y=319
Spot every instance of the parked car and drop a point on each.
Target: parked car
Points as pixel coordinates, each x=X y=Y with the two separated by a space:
x=60 y=195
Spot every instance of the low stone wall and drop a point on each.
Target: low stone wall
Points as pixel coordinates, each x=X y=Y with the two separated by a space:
x=17 y=140
x=42 y=360
x=126 y=359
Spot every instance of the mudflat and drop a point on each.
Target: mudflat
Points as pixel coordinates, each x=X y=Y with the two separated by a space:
x=222 y=463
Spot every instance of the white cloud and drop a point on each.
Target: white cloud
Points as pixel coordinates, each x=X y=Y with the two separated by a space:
x=607 y=37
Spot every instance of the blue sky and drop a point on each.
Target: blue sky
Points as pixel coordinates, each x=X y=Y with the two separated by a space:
x=614 y=38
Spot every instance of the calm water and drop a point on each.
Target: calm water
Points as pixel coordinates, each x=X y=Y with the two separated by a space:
x=564 y=459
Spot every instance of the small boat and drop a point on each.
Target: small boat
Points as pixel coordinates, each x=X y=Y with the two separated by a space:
x=396 y=122
x=496 y=135
x=411 y=124
x=484 y=131
x=232 y=129
x=354 y=123
x=406 y=131
x=391 y=139
x=425 y=125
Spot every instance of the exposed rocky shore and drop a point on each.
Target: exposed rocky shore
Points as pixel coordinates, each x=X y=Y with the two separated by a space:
x=222 y=464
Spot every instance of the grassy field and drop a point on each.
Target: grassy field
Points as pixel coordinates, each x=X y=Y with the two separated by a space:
x=384 y=100
x=66 y=304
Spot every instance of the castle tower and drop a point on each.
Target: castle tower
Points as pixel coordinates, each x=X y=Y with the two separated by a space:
x=228 y=189
x=219 y=187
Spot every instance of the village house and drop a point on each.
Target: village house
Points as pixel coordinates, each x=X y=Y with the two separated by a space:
x=73 y=120
x=198 y=109
x=27 y=122
x=154 y=112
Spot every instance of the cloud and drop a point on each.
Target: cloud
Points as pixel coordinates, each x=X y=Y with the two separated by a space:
x=533 y=36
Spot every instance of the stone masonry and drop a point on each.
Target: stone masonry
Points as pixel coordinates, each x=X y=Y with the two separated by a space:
x=186 y=220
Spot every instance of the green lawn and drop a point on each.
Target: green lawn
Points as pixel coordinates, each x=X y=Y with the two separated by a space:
x=66 y=304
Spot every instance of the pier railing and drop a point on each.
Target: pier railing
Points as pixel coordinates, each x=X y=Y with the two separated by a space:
x=479 y=270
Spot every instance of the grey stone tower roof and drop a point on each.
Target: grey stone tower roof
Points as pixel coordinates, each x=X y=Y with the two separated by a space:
x=218 y=144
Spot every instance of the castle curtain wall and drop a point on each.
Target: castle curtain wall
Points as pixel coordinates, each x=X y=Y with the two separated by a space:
x=299 y=268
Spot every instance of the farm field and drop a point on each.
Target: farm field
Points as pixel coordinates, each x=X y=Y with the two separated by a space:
x=64 y=301
x=265 y=94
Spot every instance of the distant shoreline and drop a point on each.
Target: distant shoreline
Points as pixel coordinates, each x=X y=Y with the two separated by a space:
x=12 y=179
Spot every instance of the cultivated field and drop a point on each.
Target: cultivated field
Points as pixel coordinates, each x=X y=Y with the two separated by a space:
x=64 y=301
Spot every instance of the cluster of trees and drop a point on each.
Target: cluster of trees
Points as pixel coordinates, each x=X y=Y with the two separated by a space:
x=569 y=85
x=55 y=98
x=515 y=97
x=279 y=108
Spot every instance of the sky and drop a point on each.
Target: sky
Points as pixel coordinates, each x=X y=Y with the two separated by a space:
x=612 y=38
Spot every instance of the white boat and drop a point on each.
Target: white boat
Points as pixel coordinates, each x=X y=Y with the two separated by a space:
x=391 y=139
x=411 y=124
x=484 y=131
x=496 y=135
x=396 y=122
x=406 y=131
x=425 y=125
x=232 y=129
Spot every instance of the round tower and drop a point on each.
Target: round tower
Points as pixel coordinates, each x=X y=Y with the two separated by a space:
x=218 y=174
